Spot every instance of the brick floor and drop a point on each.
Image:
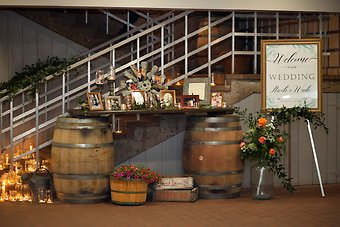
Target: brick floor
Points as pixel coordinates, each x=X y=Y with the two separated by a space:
x=305 y=207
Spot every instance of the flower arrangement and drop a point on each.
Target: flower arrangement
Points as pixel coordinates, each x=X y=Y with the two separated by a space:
x=265 y=142
x=136 y=172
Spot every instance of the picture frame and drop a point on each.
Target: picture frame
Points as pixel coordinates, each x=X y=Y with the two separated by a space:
x=167 y=98
x=216 y=99
x=113 y=102
x=188 y=101
x=138 y=97
x=291 y=73
x=198 y=86
x=94 y=100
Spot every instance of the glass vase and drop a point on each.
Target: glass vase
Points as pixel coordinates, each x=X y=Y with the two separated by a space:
x=262 y=182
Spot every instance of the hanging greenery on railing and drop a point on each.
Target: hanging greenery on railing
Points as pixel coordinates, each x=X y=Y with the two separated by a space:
x=33 y=76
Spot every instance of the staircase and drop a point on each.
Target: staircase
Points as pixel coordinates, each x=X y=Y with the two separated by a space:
x=90 y=27
x=169 y=41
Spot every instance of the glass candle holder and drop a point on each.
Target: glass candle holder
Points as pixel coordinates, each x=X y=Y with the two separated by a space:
x=49 y=196
x=41 y=194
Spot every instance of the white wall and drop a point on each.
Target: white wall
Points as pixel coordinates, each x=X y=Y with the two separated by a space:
x=23 y=42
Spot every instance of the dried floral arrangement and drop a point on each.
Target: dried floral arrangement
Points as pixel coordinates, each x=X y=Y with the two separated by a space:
x=142 y=80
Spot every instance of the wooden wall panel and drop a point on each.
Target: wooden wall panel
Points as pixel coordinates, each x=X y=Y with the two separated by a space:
x=14 y=46
x=3 y=48
x=337 y=148
x=154 y=158
x=23 y=42
x=332 y=138
x=29 y=48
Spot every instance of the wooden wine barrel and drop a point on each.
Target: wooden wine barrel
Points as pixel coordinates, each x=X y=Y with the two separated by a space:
x=211 y=154
x=128 y=192
x=82 y=158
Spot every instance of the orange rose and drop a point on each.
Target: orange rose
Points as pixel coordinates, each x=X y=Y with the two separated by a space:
x=262 y=121
x=280 y=139
x=272 y=151
x=262 y=139
x=242 y=144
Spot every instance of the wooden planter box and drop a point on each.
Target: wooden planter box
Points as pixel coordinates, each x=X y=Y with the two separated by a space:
x=128 y=192
x=177 y=195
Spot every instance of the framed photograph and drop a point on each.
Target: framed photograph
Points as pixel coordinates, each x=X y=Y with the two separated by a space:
x=188 y=101
x=167 y=98
x=112 y=103
x=138 y=97
x=94 y=100
x=291 y=73
x=216 y=99
x=198 y=86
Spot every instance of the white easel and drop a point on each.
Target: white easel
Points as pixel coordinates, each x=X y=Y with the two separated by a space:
x=315 y=157
x=314 y=154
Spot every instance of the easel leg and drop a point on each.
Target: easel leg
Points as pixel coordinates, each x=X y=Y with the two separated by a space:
x=315 y=158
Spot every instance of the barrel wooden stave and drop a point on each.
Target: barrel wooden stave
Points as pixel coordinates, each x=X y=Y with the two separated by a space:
x=82 y=158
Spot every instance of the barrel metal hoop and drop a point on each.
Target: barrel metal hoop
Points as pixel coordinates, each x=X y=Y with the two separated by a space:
x=219 y=187
x=73 y=195
x=212 y=142
x=233 y=172
x=95 y=120
x=127 y=203
x=129 y=192
x=81 y=145
x=77 y=126
x=212 y=195
x=80 y=176
x=215 y=119
x=207 y=129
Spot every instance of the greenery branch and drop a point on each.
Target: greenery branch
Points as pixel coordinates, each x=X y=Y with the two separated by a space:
x=35 y=75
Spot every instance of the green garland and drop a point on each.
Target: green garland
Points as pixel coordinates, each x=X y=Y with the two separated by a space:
x=33 y=76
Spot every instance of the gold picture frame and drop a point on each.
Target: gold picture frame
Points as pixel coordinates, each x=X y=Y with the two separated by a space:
x=112 y=103
x=167 y=98
x=291 y=73
x=94 y=100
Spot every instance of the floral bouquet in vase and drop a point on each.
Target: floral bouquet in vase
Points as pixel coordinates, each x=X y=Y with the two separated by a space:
x=265 y=144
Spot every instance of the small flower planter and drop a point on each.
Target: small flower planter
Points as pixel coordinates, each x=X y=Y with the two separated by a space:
x=128 y=191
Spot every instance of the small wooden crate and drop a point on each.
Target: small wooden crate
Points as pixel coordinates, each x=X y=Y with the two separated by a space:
x=176 y=195
x=175 y=183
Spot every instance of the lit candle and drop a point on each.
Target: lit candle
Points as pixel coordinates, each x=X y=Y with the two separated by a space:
x=7 y=159
x=31 y=147
x=3 y=189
